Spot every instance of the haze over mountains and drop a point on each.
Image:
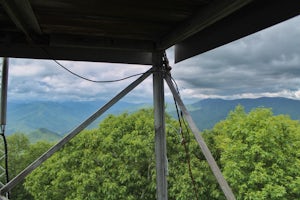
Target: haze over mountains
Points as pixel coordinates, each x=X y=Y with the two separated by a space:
x=208 y=112
x=56 y=117
x=52 y=120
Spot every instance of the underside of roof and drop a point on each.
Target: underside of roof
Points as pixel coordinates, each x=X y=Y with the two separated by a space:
x=121 y=31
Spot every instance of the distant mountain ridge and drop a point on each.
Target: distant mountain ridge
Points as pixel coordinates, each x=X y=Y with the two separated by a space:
x=57 y=117
x=43 y=134
x=52 y=120
x=208 y=112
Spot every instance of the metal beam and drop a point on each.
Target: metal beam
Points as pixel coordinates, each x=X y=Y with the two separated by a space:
x=11 y=184
x=3 y=198
x=3 y=107
x=76 y=54
x=21 y=13
x=249 y=19
x=206 y=152
x=101 y=43
x=203 y=18
x=4 y=83
x=159 y=123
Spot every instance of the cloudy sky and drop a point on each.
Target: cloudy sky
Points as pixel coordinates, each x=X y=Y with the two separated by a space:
x=266 y=63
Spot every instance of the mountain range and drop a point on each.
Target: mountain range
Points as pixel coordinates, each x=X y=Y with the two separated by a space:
x=52 y=120
x=57 y=117
x=206 y=113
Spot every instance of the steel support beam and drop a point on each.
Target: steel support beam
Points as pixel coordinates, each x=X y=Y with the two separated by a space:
x=159 y=123
x=76 y=54
x=3 y=108
x=72 y=134
x=4 y=83
x=206 y=152
x=201 y=20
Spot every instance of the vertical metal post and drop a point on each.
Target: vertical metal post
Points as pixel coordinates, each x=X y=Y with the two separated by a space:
x=4 y=91
x=3 y=107
x=159 y=123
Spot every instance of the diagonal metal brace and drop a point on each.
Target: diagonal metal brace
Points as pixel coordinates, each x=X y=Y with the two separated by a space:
x=11 y=184
x=206 y=152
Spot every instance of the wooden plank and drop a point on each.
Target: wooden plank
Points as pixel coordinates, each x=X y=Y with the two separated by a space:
x=147 y=11
x=101 y=43
x=21 y=13
x=76 y=54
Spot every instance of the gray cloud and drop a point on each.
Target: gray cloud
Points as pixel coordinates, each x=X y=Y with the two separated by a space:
x=265 y=63
x=45 y=80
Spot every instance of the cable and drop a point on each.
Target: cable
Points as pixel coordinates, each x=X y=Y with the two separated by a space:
x=87 y=79
x=96 y=81
x=185 y=142
x=175 y=83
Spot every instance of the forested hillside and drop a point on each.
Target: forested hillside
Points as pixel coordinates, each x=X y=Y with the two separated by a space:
x=258 y=153
x=56 y=117
x=52 y=120
x=208 y=112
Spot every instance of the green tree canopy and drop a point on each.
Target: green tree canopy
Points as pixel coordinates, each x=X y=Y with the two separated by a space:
x=259 y=154
x=20 y=154
x=117 y=161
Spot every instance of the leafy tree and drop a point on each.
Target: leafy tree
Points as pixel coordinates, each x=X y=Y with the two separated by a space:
x=116 y=161
x=259 y=154
x=18 y=144
x=20 y=154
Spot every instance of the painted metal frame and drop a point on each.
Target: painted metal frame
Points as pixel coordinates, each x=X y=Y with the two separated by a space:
x=4 y=173
x=159 y=124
